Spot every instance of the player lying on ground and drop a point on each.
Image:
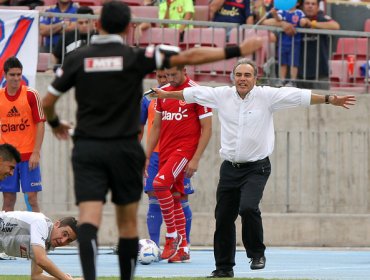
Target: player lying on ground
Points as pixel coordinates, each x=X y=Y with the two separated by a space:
x=31 y=235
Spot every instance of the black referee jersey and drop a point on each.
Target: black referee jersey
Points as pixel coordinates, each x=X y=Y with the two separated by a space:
x=107 y=76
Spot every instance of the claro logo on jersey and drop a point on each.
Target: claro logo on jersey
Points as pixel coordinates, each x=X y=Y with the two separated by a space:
x=168 y=116
x=103 y=64
x=6 y=227
x=10 y=127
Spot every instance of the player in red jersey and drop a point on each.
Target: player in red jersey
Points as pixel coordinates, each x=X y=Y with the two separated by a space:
x=183 y=131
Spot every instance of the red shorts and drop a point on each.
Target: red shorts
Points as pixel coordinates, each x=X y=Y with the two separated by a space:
x=171 y=171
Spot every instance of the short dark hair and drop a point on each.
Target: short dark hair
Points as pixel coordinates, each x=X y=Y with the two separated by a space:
x=12 y=62
x=85 y=10
x=69 y=221
x=115 y=17
x=9 y=152
x=317 y=2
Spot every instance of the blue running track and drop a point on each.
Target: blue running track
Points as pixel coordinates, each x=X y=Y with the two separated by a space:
x=282 y=263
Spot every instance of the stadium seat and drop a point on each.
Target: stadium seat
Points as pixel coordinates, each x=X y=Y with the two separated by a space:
x=88 y=2
x=355 y=46
x=201 y=13
x=133 y=2
x=145 y=11
x=236 y=36
x=202 y=2
x=44 y=62
x=14 y=8
x=49 y=2
x=158 y=35
x=338 y=73
x=356 y=79
x=367 y=25
x=96 y=9
x=217 y=71
x=42 y=8
x=205 y=37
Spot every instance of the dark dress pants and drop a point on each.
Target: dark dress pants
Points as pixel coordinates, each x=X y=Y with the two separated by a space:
x=239 y=191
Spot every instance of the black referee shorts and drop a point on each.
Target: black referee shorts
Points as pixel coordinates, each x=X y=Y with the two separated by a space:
x=115 y=165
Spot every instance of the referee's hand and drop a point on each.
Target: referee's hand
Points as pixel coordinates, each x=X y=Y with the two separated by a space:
x=62 y=131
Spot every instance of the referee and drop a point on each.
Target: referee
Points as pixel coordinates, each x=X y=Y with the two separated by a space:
x=107 y=156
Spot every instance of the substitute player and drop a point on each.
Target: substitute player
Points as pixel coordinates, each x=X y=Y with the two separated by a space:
x=107 y=156
x=31 y=235
x=183 y=132
x=22 y=125
x=154 y=214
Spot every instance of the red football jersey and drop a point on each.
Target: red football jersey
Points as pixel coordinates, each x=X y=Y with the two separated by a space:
x=180 y=128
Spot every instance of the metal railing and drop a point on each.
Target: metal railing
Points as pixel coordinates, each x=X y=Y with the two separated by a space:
x=342 y=63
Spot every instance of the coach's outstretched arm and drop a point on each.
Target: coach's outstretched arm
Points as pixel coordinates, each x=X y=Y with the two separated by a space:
x=202 y=55
x=342 y=101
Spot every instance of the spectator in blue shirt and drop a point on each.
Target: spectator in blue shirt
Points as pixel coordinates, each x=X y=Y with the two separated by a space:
x=51 y=27
x=289 y=47
x=231 y=11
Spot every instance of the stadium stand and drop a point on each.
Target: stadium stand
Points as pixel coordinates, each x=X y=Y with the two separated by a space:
x=158 y=35
x=41 y=8
x=202 y=2
x=201 y=13
x=216 y=72
x=236 y=36
x=14 y=8
x=338 y=73
x=43 y=62
x=49 y=2
x=205 y=37
x=133 y=2
x=88 y=2
x=351 y=46
x=96 y=9
x=145 y=11
x=367 y=25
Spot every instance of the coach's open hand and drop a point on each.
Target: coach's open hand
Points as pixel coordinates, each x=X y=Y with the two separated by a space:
x=343 y=101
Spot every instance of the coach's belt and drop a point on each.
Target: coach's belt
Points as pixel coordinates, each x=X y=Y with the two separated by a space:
x=246 y=164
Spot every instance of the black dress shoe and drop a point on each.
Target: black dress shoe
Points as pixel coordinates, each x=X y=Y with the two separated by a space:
x=220 y=273
x=258 y=263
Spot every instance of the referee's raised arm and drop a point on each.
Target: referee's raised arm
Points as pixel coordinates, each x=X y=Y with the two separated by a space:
x=203 y=55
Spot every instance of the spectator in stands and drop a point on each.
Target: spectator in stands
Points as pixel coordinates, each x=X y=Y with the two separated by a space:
x=307 y=70
x=318 y=20
x=174 y=10
x=76 y=38
x=260 y=8
x=289 y=47
x=232 y=11
x=52 y=27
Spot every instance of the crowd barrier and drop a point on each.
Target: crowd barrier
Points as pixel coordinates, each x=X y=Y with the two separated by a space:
x=347 y=52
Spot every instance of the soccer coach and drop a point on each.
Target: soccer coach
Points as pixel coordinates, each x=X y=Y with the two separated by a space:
x=107 y=76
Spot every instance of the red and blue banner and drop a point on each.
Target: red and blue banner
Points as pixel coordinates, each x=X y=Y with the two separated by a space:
x=19 y=33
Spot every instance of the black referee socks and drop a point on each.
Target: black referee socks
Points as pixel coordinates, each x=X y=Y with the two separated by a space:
x=88 y=246
x=127 y=255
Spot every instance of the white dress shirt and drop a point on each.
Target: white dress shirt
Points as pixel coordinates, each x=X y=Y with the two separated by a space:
x=247 y=126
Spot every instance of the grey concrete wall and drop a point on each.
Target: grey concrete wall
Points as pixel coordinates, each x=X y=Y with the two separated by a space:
x=318 y=193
